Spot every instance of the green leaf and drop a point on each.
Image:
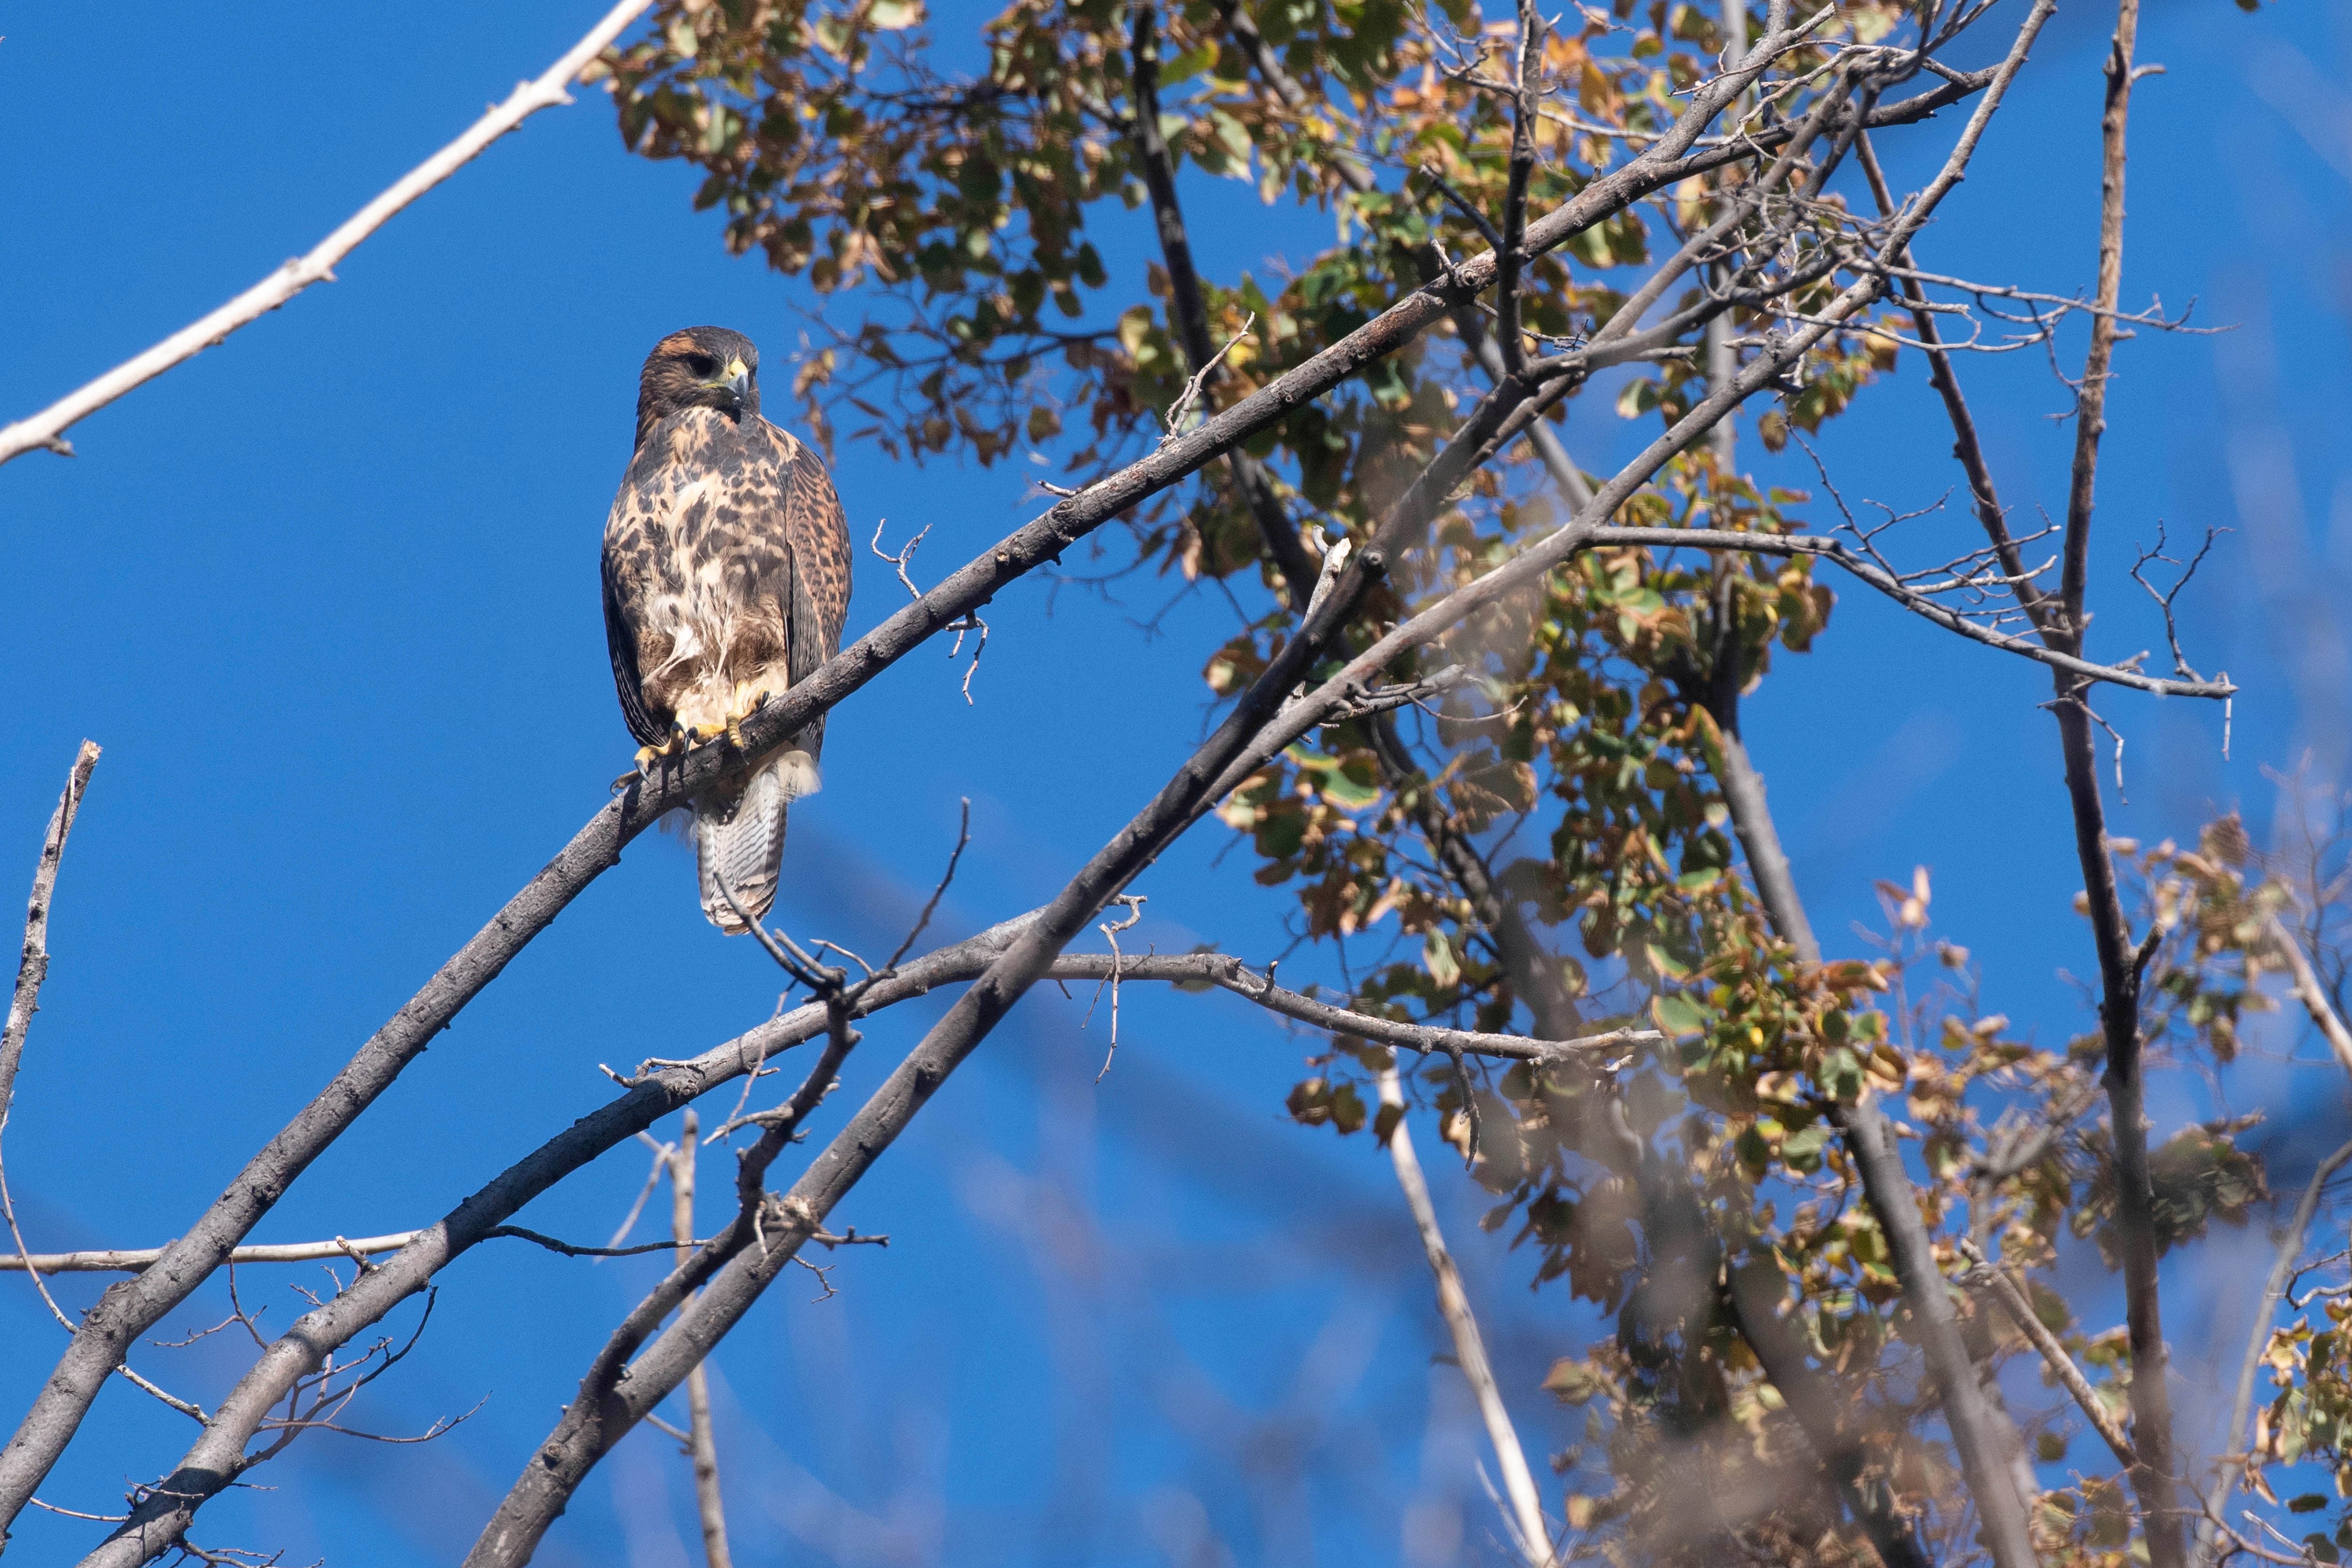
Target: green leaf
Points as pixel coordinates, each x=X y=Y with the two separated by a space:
x=1803 y=1150
x=1678 y=1014
x=2308 y=1502
x=1841 y=1075
x=1437 y=957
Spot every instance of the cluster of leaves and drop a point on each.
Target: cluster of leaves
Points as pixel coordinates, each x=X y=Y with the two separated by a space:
x=2310 y=1421
x=1572 y=782
x=959 y=210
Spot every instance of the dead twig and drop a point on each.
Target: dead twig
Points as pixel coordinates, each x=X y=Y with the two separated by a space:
x=1110 y=930
x=2312 y=994
x=2013 y=1302
x=32 y=969
x=1181 y=409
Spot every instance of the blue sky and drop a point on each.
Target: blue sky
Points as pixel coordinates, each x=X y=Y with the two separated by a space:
x=326 y=595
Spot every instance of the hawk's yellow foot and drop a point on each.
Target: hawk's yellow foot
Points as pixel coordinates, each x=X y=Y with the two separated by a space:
x=746 y=704
x=646 y=757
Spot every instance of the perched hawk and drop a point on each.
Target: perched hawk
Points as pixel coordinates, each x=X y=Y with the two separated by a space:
x=725 y=580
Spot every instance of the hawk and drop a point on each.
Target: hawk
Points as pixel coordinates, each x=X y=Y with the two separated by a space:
x=725 y=580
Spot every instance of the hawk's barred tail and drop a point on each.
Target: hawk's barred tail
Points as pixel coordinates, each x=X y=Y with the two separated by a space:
x=744 y=841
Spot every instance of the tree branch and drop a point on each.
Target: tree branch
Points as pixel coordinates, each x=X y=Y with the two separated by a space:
x=2091 y=406
x=2153 y=1480
x=1821 y=1409
x=33 y=964
x=2307 y=991
x=2013 y=1302
x=1976 y=1430
x=1526 y=68
x=32 y=969
x=1918 y=603
x=702 y=1442
x=134 y=1260
x=1525 y=1517
x=46 y=430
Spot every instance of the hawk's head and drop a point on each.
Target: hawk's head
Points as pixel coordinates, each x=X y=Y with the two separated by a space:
x=701 y=367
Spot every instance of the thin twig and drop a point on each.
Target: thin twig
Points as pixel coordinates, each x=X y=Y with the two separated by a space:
x=33 y=964
x=653 y=1179
x=2013 y=1301
x=1110 y=930
x=131 y=1261
x=1917 y=602
x=32 y=969
x=1181 y=409
x=2312 y=994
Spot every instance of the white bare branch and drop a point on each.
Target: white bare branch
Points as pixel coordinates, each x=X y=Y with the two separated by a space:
x=46 y=430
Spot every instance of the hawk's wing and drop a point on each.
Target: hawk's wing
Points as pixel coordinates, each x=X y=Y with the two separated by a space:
x=816 y=541
x=621 y=642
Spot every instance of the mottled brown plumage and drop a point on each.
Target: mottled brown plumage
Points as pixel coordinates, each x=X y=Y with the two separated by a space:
x=725 y=580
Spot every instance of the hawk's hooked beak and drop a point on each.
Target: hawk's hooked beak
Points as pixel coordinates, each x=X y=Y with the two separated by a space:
x=736 y=379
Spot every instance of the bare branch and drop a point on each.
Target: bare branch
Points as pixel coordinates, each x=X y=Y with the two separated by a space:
x=133 y=1260
x=46 y=430
x=33 y=964
x=1911 y=598
x=32 y=969
x=1976 y=1428
x=1181 y=409
x=701 y=1441
x=2013 y=1302
x=2153 y=1480
x=2311 y=992
x=1525 y=70
x=1110 y=930
x=1530 y=1532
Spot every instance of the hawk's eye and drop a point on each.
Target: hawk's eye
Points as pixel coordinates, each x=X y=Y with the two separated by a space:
x=702 y=366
